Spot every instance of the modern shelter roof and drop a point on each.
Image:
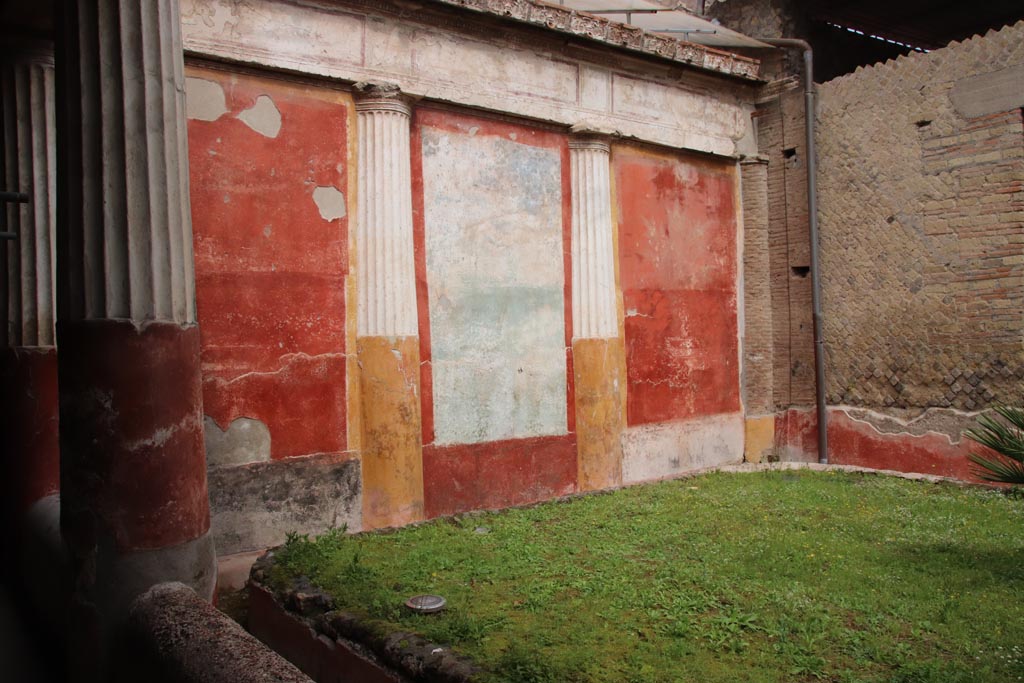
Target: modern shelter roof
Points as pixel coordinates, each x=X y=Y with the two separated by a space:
x=925 y=24
x=656 y=18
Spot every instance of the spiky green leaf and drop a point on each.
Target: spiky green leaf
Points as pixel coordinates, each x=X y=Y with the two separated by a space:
x=1004 y=437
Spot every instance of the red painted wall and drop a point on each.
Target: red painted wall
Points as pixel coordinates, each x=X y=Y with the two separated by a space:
x=497 y=474
x=677 y=256
x=270 y=271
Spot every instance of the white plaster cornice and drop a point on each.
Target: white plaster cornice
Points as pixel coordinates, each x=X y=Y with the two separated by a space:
x=464 y=60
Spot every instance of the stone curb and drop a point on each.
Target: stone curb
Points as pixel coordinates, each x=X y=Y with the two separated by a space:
x=412 y=656
x=176 y=637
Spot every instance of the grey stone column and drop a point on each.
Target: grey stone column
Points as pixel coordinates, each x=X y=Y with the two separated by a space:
x=28 y=359
x=130 y=254
x=133 y=474
x=593 y=257
x=29 y=151
x=387 y=275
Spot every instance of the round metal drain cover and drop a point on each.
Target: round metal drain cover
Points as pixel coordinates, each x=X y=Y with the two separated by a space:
x=426 y=604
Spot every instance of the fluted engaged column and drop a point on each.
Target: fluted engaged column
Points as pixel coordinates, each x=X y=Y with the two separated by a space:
x=28 y=359
x=387 y=329
x=597 y=346
x=135 y=510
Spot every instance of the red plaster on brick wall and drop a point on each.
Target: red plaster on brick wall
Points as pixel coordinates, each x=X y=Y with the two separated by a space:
x=677 y=236
x=422 y=290
x=270 y=271
x=496 y=474
x=854 y=442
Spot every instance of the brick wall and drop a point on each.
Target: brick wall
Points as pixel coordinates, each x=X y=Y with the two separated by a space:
x=781 y=138
x=922 y=226
x=757 y=323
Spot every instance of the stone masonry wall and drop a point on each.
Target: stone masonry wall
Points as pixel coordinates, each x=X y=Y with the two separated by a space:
x=922 y=226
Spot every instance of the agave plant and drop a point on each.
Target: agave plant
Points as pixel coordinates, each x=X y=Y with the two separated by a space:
x=1006 y=438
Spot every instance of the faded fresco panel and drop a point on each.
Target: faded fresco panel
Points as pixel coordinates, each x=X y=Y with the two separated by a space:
x=496 y=278
x=677 y=251
x=268 y=168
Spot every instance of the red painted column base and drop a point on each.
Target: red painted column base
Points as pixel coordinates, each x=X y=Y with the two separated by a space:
x=132 y=431
x=134 y=504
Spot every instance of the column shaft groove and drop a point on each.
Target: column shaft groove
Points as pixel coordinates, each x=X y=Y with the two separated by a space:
x=593 y=267
x=29 y=167
x=134 y=258
x=386 y=280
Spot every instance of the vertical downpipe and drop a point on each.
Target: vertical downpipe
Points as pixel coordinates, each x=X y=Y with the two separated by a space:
x=812 y=214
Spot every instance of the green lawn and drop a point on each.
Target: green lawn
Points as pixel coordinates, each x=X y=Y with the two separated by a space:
x=771 y=576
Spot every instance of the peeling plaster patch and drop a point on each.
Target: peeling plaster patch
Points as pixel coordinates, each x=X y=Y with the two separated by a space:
x=330 y=201
x=989 y=93
x=663 y=450
x=263 y=117
x=204 y=100
x=244 y=441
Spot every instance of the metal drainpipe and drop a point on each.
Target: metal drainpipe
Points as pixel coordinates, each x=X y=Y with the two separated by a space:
x=812 y=210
